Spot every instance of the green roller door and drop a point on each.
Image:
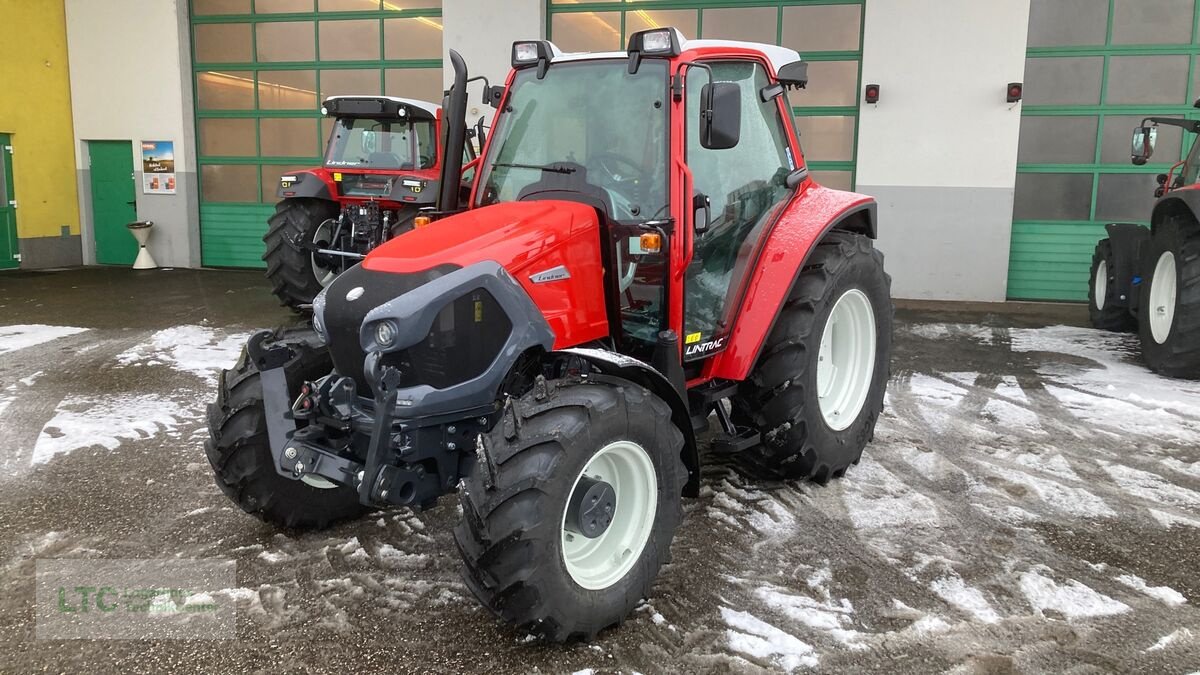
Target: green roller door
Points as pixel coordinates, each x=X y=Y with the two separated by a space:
x=827 y=33
x=261 y=69
x=1094 y=69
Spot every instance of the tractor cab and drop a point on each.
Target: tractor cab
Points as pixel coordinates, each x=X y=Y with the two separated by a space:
x=686 y=152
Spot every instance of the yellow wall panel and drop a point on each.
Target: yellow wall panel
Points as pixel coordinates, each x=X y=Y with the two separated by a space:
x=35 y=107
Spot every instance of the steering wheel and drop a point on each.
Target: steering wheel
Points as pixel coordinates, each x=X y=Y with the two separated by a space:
x=606 y=160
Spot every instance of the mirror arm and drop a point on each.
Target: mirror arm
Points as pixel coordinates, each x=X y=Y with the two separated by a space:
x=796 y=177
x=677 y=81
x=770 y=91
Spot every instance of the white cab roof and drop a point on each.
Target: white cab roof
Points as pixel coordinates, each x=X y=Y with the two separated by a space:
x=776 y=55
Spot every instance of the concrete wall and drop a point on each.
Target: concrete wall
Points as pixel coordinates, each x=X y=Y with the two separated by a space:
x=35 y=107
x=130 y=66
x=483 y=32
x=939 y=150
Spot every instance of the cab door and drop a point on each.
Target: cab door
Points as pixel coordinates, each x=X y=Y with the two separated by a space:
x=9 y=256
x=746 y=190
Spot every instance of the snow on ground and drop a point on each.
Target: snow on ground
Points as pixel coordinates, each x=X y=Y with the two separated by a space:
x=760 y=640
x=17 y=337
x=199 y=350
x=88 y=421
x=876 y=499
x=1181 y=635
x=1018 y=479
x=1071 y=598
x=953 y=590
x=1121 y=395
x=1164 y=594
x=1151 y=486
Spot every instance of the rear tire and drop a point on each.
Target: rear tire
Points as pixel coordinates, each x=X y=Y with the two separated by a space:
x=1169 y=315
x=783 y=396
x=521 y=561
x=1108 y=306
x=290 y=268
x=240 y=453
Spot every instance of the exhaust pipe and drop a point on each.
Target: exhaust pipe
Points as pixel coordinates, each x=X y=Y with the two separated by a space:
x=454 y=111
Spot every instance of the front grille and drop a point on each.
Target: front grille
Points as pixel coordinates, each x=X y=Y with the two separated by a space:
x=464 y=340
x=343 y=318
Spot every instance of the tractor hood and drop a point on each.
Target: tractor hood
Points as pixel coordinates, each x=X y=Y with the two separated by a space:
x=551 y=248
x=514 y=234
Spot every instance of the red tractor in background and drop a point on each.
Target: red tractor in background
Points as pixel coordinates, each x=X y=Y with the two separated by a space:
x=381 y=166
x=1148 y=279
x=642 y=248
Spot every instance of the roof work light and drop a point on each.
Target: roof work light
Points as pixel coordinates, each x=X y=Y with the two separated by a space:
x=533 y=52
x=654 y=42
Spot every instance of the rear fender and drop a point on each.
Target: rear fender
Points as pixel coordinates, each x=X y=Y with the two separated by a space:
x=1180 y=203
x=629 y=368
x=809 y=217
x=306 y=183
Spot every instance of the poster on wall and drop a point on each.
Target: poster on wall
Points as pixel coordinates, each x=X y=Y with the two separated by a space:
x=158 y=167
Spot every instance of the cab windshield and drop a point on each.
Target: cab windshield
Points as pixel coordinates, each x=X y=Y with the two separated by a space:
x=588 y=127
x=381 y=144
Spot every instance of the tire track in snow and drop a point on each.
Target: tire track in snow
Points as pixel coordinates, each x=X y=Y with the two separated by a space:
x=1034 y=383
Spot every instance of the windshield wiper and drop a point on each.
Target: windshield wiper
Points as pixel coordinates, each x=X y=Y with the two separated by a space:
x=552 y=167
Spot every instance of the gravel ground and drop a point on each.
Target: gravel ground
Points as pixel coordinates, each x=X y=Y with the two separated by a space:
x=1031 y=503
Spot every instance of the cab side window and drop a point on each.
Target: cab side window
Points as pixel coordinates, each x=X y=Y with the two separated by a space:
x=746 y=188
x=1191 y=170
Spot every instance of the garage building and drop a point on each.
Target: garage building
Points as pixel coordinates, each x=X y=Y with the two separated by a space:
x=980 y=198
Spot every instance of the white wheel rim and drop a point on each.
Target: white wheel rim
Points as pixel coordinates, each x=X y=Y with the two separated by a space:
x=598 y=563
x=323 y=274
x=846 y=360
x=1162 y=298
x=1100 y=284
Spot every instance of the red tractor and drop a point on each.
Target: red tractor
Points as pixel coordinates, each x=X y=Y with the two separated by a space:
x=1148 y=279
x=643 y=248
x=381 y=166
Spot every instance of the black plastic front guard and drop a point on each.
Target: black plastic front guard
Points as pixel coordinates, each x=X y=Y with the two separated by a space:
x=418 y=426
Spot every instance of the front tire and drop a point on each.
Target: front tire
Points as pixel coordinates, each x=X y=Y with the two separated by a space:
x=522 y=534
x=817 y=389
x=1108 y=305
x=1169 y=315
x=295 y=276
x=240 y=453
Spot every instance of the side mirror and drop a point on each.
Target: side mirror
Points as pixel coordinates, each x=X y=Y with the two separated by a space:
x=720 y=115
x=1142 y=146
x=701 y=202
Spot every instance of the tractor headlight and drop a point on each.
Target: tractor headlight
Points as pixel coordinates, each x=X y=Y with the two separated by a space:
x=318 y=320
x=656 y=41
x=385 y=333
x=525 y=52
x=533 y=53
